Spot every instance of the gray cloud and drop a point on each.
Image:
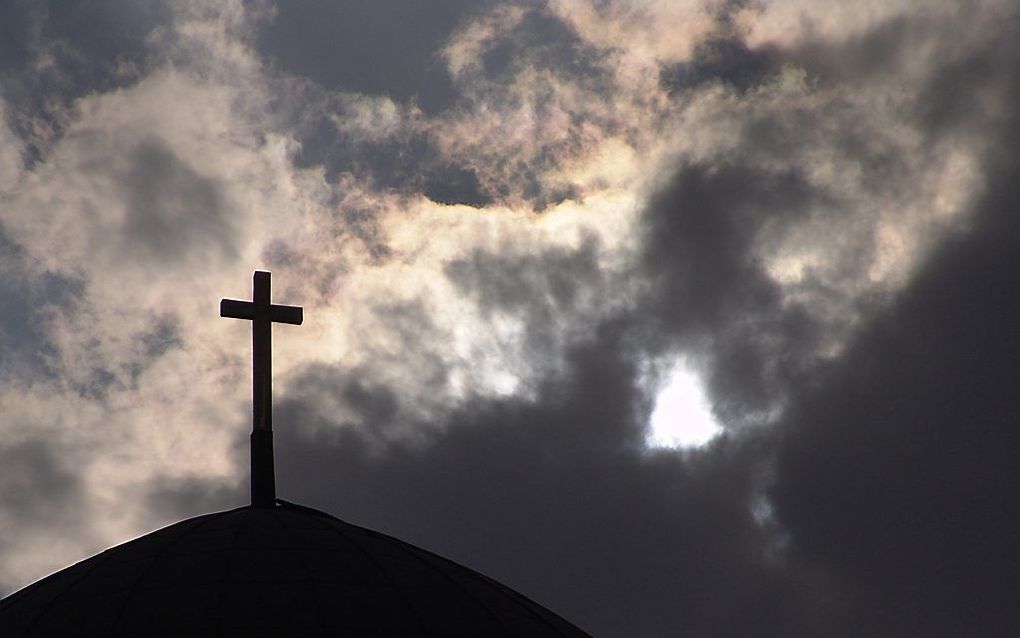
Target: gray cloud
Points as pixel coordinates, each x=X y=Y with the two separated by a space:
x=169 y=499
x=565 y=483
x=326 y=46
x=548 y=290
x=832 y=243
x=25 y=347
x=52 y=53
x=895 y=474
x=173 y=212
x=37 y=483
x=723 y=56
x=43 y=486
x=877 y=502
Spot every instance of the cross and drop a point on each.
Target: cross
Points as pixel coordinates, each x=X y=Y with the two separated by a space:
x=262 y=314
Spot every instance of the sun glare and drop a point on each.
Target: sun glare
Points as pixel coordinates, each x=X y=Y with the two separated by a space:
x=682 y=416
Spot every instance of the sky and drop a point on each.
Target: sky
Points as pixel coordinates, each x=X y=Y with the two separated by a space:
x=682 y=318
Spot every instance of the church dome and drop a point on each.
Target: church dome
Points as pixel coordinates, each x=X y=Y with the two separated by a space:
x=278 y=571
x=272 y=569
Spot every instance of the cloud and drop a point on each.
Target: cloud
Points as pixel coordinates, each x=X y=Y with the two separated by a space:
x=36 y=481
x=172 y=210
x=28 y=299
x=546 y=291
x=895 y=472
x=504 y=485
x=54 y=53
x=44 y=488
x=504 y=231
x=380 y=48
x=723 y=54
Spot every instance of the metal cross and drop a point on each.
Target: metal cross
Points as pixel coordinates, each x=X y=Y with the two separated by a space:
x=262 y=314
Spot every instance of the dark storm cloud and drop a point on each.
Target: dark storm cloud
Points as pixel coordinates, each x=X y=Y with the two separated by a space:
x=560 y=499
x=367 y=399
x=560 y=496
x=710 y=285
x=898 y=474
x=962 y=94
x=702 y=229
x=173 y=212
x=700 y=239
x=52 y=53
x=896 y=482
x=882 y=502
x=725 y=59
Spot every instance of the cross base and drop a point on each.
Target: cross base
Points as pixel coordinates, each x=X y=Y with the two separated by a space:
x=263 y=473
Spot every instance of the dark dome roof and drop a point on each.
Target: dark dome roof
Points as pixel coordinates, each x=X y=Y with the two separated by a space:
x=272 y=571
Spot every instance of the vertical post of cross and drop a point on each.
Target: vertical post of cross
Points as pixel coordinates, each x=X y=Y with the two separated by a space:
x=263 y=469
x=262 y=354
x=262 y=313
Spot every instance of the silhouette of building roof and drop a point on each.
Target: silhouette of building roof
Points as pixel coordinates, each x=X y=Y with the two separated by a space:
x=285 y=570
x=271 y=569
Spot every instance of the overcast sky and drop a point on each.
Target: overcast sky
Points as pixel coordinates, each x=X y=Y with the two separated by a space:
x=534 y=240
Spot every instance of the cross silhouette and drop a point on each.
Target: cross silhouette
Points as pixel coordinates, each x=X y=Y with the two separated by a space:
x=262 y=315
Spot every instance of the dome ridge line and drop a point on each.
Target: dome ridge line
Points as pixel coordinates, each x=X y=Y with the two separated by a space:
x=423 y=556
x=309 y=572
x=375 y=563
x=221 y=595
x=488 y=610
x=305 y=563
x=119 y=616
x=523 y=601
x=102 y=558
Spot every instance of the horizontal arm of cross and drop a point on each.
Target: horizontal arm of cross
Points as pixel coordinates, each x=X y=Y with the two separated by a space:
x=237 y=309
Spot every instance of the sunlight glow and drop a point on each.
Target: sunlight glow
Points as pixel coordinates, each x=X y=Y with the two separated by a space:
x=682 y=416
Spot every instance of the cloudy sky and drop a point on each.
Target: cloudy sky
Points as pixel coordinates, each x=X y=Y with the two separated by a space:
x=683 y=318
